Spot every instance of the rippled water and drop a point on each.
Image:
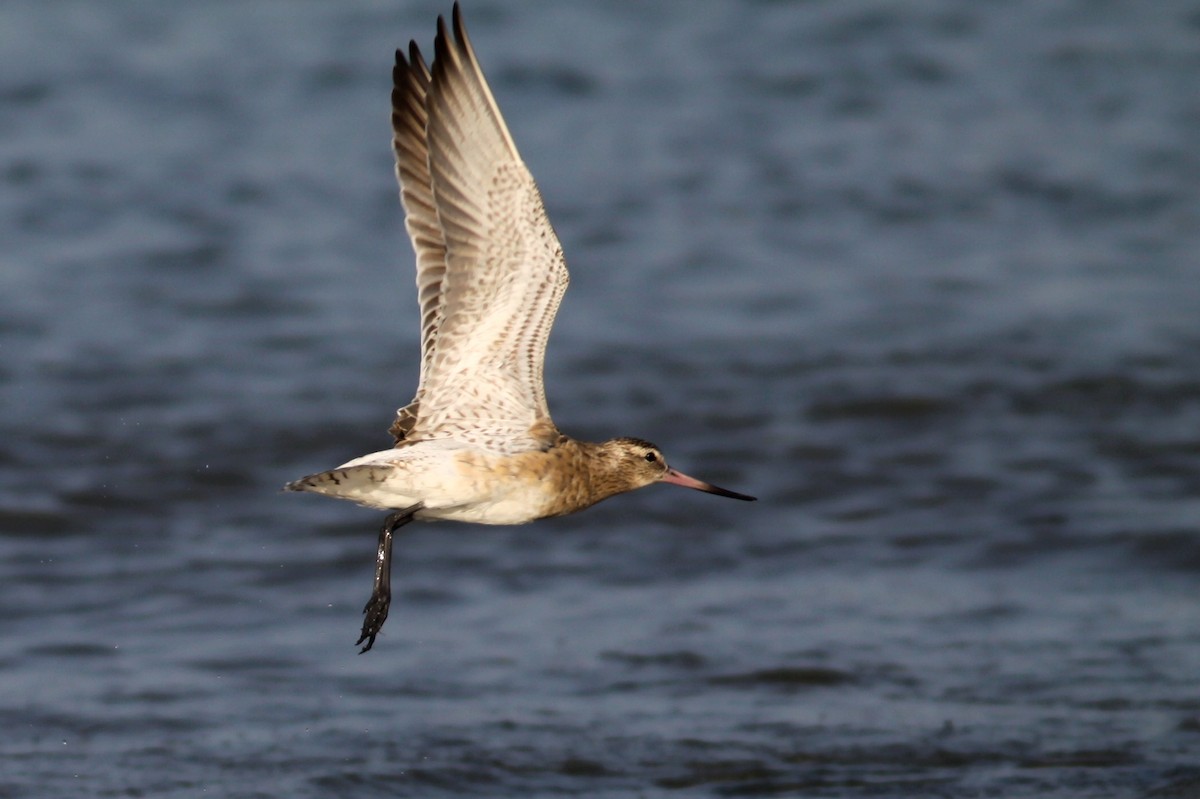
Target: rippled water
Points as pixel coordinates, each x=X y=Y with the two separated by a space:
x=920 y=275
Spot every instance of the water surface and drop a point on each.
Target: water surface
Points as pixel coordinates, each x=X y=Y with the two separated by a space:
x=920 y=275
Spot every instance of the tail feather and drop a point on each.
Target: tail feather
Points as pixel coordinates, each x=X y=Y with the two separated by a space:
x=346 y=481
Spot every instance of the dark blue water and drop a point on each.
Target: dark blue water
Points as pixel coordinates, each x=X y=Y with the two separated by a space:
x=920 y=275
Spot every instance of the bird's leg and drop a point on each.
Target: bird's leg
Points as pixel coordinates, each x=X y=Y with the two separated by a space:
x=376 y=610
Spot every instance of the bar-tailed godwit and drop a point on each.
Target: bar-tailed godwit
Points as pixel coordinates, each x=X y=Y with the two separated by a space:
x=477 y=444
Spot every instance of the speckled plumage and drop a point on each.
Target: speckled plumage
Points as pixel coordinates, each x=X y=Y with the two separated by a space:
x=457 y=482
x=477 y=443
x=490 y=269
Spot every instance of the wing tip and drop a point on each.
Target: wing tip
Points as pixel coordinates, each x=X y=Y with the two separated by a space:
x=460 y=28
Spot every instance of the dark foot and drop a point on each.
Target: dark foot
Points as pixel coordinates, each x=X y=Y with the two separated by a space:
x=381 y=596
x=376 y=613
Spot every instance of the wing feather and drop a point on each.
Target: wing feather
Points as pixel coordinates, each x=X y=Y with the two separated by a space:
x=410 y=86
x=490 y=269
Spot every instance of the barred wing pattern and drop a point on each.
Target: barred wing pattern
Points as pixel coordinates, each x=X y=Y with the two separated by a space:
x=490 y=269
x=410 y=86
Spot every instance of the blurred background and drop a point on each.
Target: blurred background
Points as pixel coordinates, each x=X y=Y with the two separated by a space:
x=920 y=275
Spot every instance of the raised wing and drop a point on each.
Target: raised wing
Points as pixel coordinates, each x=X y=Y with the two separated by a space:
x=410 y=86
x=490 y=269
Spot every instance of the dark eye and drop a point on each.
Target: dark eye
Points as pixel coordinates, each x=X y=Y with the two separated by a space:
x=651 y=457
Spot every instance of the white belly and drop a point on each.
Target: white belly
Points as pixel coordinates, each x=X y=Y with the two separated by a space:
x=441 y=482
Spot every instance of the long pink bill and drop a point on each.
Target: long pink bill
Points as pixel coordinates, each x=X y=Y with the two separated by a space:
x=680 y=479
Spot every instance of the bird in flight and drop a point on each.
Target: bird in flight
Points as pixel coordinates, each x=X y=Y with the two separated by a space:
x=476 y=443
